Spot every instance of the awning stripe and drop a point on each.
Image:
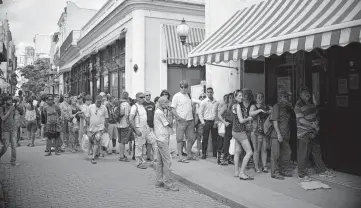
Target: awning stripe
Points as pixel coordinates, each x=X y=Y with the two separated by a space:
x=279 y=26
x=176 y=52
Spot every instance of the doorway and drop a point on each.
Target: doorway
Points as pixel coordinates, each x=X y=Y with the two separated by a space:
x=177 y=73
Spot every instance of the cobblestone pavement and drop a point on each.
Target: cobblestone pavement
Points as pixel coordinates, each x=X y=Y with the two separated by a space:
x=70 y=180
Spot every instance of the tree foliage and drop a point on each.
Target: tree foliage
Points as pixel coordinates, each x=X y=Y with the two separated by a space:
x=36 y=74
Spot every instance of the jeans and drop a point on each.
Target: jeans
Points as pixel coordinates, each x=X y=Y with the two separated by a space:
x=163 y=163
x=227 y=140
x=209 y=128
x=9 y=137
x=280 y=155
x=304 y=147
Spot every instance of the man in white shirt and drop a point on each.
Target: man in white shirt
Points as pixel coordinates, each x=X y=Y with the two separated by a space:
x=207 y=114
x=183 y=111
x=138 y=121
x=97 y=123
x=162 y=129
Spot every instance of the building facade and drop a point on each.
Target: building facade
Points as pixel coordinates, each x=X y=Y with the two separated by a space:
x=288 y=44
x=72 y=19
x=8 y=59
x=126 y=46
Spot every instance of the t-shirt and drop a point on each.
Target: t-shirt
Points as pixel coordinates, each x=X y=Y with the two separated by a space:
x=7 y=125
x=140 y=115
x=161 y=126
x=182 y=103
x=97 y=117
x=150 y=108
x=280 y=114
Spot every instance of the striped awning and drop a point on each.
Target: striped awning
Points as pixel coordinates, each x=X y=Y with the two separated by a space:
x=279 y=26
x=178 y=53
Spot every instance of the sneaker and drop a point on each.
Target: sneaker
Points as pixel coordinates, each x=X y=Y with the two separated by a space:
x=304 y=179
x=172 y=188
x=327 y=174
x=278 y=177
x=159 y=185
x=142 y=166
x=124 y=159
x=14 y=164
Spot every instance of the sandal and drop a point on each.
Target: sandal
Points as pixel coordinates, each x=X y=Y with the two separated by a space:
x=236 y=175
x=192 y=158
x=183 y=161
x=93 y=161
x=265 y=170
x=258 y=171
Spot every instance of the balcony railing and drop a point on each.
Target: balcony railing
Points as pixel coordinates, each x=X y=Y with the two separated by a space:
x=72 y=39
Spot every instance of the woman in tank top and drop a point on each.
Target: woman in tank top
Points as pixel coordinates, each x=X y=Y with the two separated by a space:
x=239 y=131
x=32 y=118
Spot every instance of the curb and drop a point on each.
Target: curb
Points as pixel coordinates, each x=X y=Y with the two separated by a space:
x=2 y=200
x=203 y=190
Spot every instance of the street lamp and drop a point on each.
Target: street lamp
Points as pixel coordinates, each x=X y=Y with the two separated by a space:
x=183 y=31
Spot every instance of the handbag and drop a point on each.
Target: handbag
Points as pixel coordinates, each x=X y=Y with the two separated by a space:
x=221 y=129
x=232 y=146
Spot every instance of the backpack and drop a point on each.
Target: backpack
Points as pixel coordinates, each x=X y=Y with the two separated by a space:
x=118 y=113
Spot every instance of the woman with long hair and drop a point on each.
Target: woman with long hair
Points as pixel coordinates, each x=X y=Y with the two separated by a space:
x=241 y=120
x=259 y=112
x=225 y=115
x=32 y=117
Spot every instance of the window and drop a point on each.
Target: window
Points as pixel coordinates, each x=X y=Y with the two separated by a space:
x=114 y=84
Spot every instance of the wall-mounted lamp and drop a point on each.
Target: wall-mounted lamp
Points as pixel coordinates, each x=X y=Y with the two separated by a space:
x=135 y=67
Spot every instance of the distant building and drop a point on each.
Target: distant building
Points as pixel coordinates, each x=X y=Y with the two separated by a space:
x=42 y=46
x=27 y=57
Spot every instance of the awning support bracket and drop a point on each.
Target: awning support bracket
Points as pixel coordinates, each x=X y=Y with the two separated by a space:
x=225 y=66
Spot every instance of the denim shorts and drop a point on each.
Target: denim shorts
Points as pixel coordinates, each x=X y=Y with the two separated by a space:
x=239 y=136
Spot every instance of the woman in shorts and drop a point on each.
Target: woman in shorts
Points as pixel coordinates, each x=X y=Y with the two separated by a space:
x=239 y=131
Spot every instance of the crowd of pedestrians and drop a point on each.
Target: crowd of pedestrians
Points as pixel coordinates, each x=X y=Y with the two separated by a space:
x=242 y=129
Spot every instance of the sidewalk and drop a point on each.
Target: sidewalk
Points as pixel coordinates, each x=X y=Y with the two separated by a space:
x=264 y=192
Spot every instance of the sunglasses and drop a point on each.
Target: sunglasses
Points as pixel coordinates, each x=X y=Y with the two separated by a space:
x=202 y=96
x=147 y=95
x=184 y=87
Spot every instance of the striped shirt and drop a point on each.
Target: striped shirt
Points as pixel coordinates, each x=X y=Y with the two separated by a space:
x=307 y=111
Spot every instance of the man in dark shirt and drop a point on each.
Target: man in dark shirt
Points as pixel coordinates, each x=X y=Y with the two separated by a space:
x=150 y=108
x=7 y=114
x=280 y=137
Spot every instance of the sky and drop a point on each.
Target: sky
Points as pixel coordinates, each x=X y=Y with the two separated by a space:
x=30 y=17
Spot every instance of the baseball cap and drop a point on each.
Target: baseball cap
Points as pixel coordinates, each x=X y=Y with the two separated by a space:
x=304 y=89
x=88 y=97
x=98 y=97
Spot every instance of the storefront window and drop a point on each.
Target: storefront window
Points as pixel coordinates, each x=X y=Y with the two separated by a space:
x=114 y=84
x=106 y=83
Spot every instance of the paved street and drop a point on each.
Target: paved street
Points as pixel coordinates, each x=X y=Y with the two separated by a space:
x=70 y=180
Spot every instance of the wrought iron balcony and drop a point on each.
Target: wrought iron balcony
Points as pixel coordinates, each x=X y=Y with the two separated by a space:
x=71 y=40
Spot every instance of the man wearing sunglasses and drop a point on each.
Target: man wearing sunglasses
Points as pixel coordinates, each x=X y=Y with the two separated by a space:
x=150 y=108
x=138 y=121
x=182 y=108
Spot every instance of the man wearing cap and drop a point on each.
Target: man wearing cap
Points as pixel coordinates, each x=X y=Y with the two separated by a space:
x=97 y=123
x=280 y=136
x=308 y=136
x=66 y=113
x=138 y=121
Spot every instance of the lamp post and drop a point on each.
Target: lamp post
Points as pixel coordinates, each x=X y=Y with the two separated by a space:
x=183 y=31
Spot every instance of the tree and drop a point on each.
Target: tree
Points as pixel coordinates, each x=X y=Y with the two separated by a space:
x=37 y=75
